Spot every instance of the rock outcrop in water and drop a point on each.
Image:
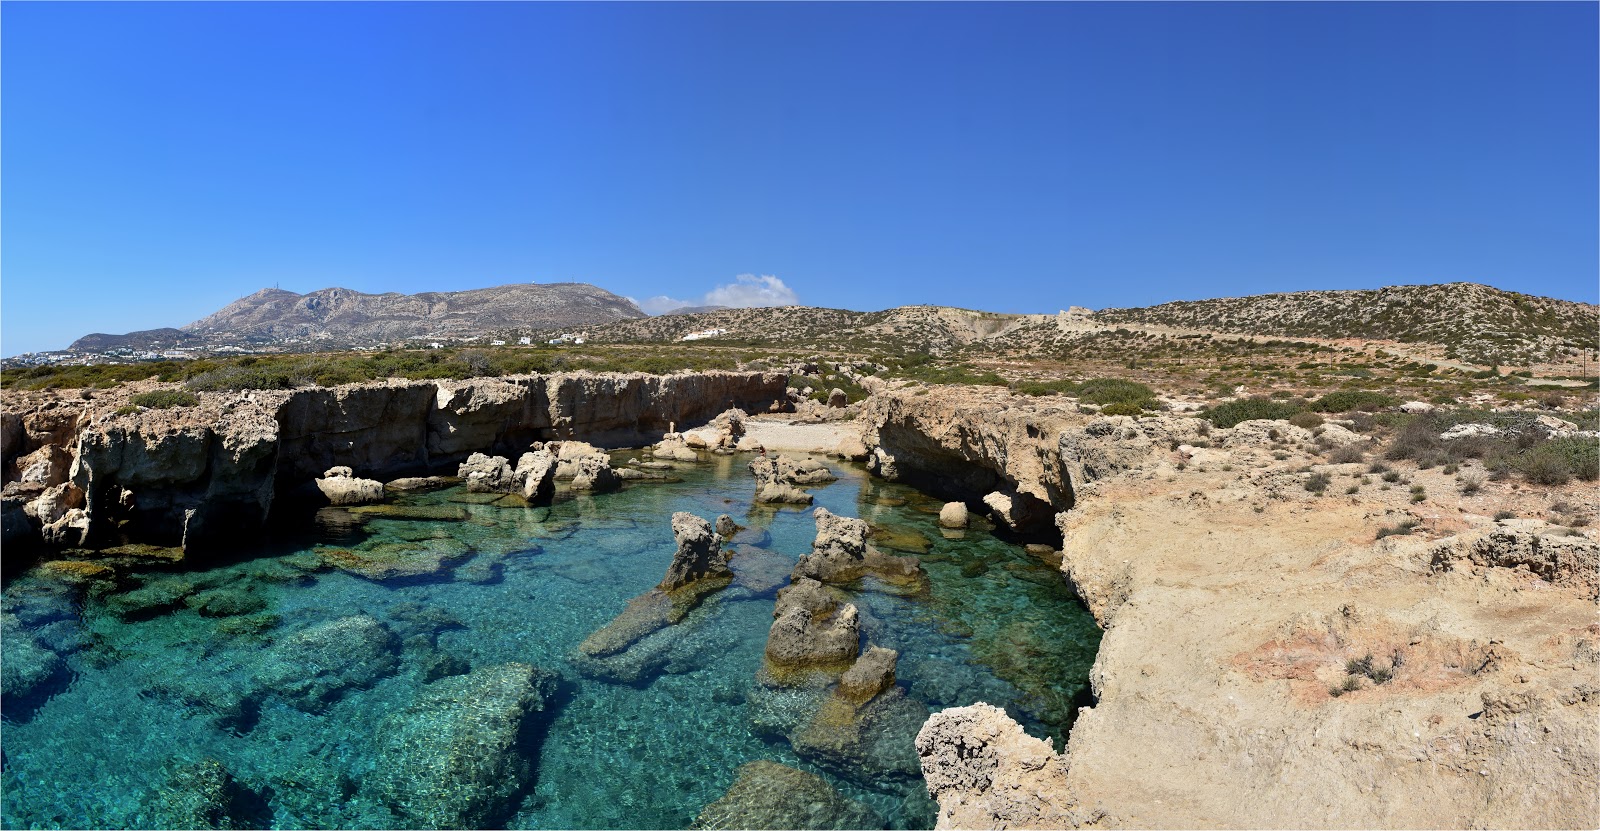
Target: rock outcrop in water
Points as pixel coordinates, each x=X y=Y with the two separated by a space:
x=341 y=487
x=986 y=772
x=840 y=554
x=812 y=627
x=779 y=477
x=640 y=641
x=206 y=474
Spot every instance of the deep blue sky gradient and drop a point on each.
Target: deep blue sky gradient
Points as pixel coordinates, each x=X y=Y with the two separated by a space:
x=161 y=160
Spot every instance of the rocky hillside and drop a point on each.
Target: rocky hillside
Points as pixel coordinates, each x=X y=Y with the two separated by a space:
x=1476 y=323
x=343 y=317
x=936 y=329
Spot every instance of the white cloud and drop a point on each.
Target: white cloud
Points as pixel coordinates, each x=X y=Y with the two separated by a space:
x=746 y=291
x=749 y=290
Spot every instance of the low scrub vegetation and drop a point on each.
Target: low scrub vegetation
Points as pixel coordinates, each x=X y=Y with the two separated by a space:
x=1250 y=409
x=164 y=399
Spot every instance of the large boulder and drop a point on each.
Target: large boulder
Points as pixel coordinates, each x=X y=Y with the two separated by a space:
x=343 y=489
x=840 y=554
x=778 y=478
x=837 y=398
x=535 y=476
x=769 y=795
x=486 y=474
x=314 y=667
x=673 y=446
x=871 y=674
x=594 y=474
x=453 y=758
x=953 y=515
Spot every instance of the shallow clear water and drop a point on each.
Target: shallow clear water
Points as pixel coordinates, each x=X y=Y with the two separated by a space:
x=175 y=667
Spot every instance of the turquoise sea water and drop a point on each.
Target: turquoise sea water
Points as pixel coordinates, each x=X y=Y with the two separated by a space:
x=132 y=687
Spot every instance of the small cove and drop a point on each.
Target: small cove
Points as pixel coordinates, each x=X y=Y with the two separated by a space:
x=174 y=676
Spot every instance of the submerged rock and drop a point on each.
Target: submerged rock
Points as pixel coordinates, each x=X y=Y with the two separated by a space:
x=200 y=795
x=871 y=674
x=873 y=740
x=455 y=757
x=420 y=483
x=28 y=669
x=419 y=513
x=378 y=559
x=769 y=795
x=314 y=667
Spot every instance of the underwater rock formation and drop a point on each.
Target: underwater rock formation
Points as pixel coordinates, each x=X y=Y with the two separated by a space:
x=202 y=794
x=454 y=757
x=314 y=667
x=769 y=795
x=28 y=668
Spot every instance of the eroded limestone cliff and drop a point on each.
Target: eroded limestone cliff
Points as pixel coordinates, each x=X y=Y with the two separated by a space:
x=196 y=475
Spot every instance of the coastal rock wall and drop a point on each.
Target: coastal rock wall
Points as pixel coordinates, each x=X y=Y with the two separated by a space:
x=192 y=475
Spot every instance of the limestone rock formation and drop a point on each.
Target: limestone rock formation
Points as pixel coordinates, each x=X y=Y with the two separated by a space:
x=340 y=486
x=953 y=515
x=769 y=795
x=778 y=478
x=811 y=628
x=726 y=527
x=673 y=446
x=837 y=398
x=1572 y=561
x=453 y=758
x=594 y=474
x=637 y=641
x=534 y=476
x=699 y=555
x=871 y=674
x=840 y=554
x=314 y=667
x=986 y=772
x=483 y=473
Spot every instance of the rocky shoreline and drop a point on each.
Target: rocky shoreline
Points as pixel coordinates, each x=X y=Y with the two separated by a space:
x=1269 y=660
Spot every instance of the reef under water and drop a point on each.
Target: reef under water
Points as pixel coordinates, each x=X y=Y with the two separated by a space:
x=414 y=665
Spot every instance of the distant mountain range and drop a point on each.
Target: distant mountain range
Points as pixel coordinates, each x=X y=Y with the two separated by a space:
x=1465 y=321
x=336 y=317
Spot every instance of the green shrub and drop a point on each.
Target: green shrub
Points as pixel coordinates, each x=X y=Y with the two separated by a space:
x=1399 y=530
x=127 y=409
x=1248 y=409
x=1122 y=408
x=1318 y=482
x=164 y=399
x=1306 y=420
x=1345 y=401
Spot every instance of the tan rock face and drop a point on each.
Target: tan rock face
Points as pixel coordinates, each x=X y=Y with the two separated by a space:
x=205 y=474
x=986 y=772
x=699 y=554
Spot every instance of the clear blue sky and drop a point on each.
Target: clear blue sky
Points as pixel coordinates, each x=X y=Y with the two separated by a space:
x=161 y=160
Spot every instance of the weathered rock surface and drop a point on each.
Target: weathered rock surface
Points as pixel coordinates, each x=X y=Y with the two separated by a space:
x=953 y=515
x=811 y=627
x=314 y=667
x=1562 y=560
x=202 y=794
x=453 y=758
x=594 y=474
x=840 y=554
x=635 y=644
x=778 y=478
x=699 y=555
x=483 y=473
x=673 y=446
x=202 y=475
x=726 y=527
x=986 y=772
x=769 y=795
x=535 y=476
x=341 y=488
x=871 y=674
x=28 y=668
